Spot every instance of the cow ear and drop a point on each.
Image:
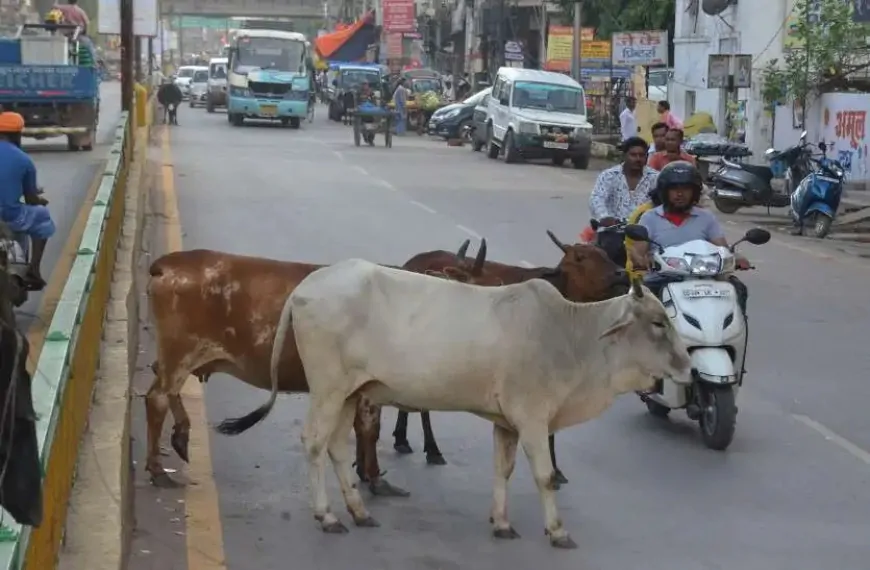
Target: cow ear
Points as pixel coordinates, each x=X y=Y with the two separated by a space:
x=619 y=326
x=456 y=274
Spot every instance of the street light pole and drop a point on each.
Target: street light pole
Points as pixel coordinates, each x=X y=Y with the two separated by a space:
x=578 y=40
x=127 y=54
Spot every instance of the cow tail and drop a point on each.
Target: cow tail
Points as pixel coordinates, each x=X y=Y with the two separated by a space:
x=235 y=426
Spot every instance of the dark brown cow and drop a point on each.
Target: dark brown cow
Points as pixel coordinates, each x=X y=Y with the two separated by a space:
x=218 y=312
x=584 y=274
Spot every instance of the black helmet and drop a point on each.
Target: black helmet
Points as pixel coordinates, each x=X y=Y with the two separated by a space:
x=679 y=173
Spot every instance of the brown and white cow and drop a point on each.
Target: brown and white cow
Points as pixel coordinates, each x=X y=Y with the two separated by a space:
x=584 y=274
x=521 y=356
x=218 y=312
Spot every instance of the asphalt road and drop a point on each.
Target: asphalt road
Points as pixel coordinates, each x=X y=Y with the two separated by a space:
x=67 y=177
x=790 y=493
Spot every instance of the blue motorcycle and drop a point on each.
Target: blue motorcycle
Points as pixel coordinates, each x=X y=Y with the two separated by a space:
x=816 y=199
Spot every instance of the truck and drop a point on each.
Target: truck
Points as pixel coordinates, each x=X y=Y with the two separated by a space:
x=270 y=76
x=49 y=81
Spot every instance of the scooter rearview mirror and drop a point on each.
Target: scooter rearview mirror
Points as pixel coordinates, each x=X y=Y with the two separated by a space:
x=636 y=232
x=757 y=236
x=823 y=147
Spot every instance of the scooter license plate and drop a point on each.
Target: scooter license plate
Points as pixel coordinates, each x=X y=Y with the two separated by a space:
x=705 y=292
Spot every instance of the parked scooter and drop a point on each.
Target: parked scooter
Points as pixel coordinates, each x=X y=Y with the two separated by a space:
x=709 y=317
x=816 y=199
x=737 y=185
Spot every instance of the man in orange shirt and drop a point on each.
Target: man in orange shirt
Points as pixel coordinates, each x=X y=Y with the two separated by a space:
x=672 y=153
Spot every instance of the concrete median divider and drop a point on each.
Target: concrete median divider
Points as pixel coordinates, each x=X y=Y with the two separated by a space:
x=70 y=376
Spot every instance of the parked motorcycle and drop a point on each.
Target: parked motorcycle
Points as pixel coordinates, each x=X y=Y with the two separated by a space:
x=816 y=199
x=707 y=313
x=737 y=185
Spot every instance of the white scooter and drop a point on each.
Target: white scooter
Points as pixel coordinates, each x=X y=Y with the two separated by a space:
x=706 y=313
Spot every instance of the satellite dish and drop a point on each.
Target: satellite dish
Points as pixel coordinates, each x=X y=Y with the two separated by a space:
x=715 y=7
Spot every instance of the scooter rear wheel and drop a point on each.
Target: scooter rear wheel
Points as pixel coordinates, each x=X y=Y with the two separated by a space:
x=726 y=206
x=657 y=410
x=821 y=225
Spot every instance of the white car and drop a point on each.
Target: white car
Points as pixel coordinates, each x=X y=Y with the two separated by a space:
x=199 y=88
x=538 y=114
x=184 y=77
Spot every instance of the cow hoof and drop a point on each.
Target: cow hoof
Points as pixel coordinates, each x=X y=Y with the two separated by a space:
x=563 y=542
x=366 y=522
x=559 y=478
x=508 y=533
x=180 y=442
x=435 y=459
x=164 y=481
x=381 y=488
x=335 y=527
x=403 y=448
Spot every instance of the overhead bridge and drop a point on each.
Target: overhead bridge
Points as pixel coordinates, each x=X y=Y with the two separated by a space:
x=254 y=8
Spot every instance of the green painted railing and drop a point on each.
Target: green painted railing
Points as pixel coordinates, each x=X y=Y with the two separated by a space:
x=52 y=376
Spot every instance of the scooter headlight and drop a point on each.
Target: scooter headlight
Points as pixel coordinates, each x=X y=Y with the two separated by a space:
x=677 y=263
x=705 y=265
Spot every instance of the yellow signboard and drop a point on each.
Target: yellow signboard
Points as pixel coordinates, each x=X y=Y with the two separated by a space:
x=790 y=37
x=595 y=50
x=560 y=45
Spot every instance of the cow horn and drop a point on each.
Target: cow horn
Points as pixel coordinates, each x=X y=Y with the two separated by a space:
x=637 y=288
x=460 y=253
x=558 y=243
x=480 y=259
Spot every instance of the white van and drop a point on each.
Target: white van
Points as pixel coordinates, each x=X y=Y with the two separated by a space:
x=538 y=114
x=217 y=83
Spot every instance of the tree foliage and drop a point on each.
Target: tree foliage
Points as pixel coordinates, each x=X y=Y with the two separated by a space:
x=830 y=52
x=608 y=16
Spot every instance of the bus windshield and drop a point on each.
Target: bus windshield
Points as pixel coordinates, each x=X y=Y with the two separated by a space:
x=269 y=53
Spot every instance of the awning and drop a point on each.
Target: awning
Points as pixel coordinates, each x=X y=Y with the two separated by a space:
x=327 y=45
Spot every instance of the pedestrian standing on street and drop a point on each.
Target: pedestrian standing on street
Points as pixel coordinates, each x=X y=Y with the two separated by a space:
x=667 y=117
x=400 y=98
x=627 y=120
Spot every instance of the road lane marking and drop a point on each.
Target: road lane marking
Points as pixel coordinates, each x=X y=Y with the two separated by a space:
x=835 y=438
x=469 y=231
x=204 y=532
x=387 y=185
x=59 y=274
x=525 y=263
x=361 y=170
x=423 y=206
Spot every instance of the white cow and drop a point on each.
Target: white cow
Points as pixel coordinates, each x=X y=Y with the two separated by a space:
x=520 y=356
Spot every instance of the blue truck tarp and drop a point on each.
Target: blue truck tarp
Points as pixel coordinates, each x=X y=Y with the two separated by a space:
x=55 y=83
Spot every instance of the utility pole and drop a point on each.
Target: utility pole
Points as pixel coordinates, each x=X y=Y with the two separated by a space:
x=500 y=38
x=578 y=41
x=127 y=52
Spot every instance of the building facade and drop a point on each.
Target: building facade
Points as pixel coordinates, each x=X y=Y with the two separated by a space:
x=747 y=27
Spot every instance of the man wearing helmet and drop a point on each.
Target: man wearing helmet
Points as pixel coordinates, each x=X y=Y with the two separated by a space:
x=18 y=176
x=677 y=220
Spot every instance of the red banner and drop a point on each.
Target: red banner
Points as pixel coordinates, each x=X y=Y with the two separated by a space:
x=394 y=46
x=399 y=16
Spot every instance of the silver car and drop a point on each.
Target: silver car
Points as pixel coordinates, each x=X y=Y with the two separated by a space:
x=199 y=88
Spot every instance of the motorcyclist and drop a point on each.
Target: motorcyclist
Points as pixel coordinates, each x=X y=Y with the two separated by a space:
x=18 y=174
x=678 y=220
x=621 y=189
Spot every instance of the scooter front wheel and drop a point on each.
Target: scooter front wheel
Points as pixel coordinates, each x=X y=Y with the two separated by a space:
x=718 y=419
